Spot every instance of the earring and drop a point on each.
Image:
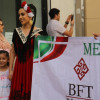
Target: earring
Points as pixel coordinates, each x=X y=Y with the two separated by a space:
x=31 y=22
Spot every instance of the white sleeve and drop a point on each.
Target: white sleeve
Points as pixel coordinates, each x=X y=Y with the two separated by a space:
x=60 y=28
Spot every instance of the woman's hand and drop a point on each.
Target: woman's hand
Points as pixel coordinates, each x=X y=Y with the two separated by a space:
x=10 y=75
x=96 y=35
x=37 y=34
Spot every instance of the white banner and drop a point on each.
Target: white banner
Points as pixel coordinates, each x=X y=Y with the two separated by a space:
x=71 y=72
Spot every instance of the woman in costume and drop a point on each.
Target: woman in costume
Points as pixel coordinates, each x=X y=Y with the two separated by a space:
x=23 y=44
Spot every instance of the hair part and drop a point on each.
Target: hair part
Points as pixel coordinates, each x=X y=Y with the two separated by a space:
x=53 y=12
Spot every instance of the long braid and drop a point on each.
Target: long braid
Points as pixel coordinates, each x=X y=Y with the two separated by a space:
x=28 y=43
x=34 y=11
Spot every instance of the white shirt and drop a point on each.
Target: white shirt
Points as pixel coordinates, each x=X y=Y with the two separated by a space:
x=54 y=28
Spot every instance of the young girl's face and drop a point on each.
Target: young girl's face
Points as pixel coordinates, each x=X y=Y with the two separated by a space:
x=3 y=60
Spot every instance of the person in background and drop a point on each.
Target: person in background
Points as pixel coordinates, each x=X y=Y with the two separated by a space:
x=23 y=48
x=5 y=83
x=4 y=44
x=54 y=28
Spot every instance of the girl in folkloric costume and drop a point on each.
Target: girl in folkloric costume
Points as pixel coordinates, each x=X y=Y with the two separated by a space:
x=23 y=44
x=5 y=83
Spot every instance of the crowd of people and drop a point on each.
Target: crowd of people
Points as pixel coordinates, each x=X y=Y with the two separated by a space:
x=19 y=76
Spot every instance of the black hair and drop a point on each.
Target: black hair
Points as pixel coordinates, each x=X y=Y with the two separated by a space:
x=53 y=12
x=33 y=9
x=6 y=53
x=0 y=19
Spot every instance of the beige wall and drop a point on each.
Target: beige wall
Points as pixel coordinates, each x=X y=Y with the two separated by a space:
x=92 y=17
x=66 y=7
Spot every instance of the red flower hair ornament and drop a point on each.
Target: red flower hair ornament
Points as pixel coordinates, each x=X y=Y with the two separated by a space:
x=27 y=9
